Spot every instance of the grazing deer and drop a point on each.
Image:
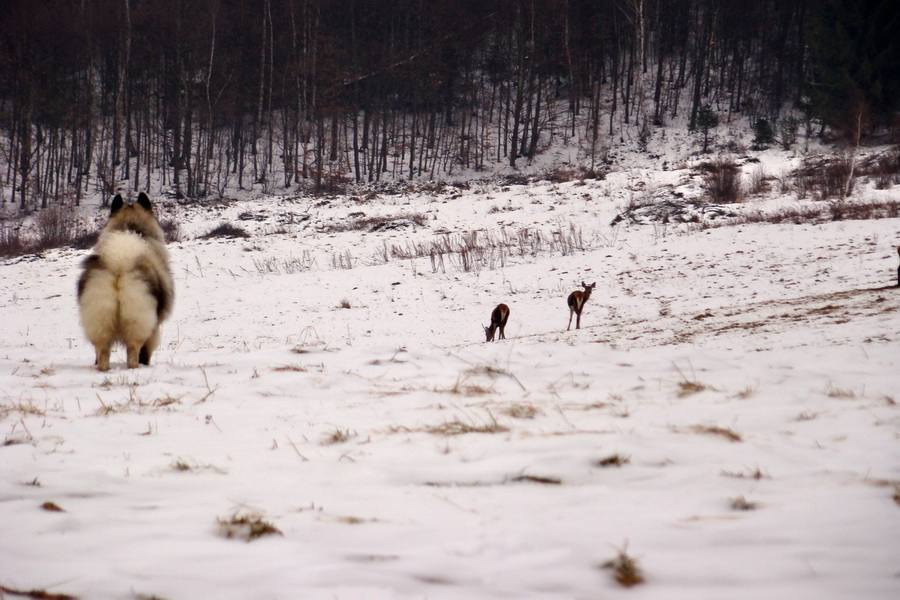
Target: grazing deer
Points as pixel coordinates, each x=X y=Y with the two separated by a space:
x=576 y=303
x=498 y=320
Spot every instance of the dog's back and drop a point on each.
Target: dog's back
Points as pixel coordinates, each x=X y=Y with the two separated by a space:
x=125 y=290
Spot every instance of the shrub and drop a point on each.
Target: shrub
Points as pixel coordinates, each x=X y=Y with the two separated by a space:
x=226 y=230
x=722 y=181
x=763 y=135
x=330 y=184
x=820 y=213
x=57 y=225
x=834 y=181
x=87 y=239
x=172 y=231
x=886 y=169
x=787 y=130
x=11 y=242
x=758 y=182
x=563 y=174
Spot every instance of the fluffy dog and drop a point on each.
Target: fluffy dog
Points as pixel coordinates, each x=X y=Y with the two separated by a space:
x=125 y=290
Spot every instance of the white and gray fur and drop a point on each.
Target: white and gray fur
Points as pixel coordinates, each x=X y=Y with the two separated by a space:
x=125 y=290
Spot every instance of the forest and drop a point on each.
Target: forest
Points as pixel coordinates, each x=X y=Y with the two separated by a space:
x=192 y=98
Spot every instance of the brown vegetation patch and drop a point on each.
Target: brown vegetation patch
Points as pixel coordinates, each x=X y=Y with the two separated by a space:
x=36 y=594
x=247 y=527
x=625 y=569
x=726 y=433
x=457 y=427
x=226 y=230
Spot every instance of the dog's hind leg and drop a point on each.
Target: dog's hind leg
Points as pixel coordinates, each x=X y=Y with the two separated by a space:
x=134 y=354
x=148 y=347
x=103 y=352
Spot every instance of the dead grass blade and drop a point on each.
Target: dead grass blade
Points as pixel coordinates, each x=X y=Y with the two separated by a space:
x=38 y=594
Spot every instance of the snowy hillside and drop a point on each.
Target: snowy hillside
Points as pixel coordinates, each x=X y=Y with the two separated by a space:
x=727 y=416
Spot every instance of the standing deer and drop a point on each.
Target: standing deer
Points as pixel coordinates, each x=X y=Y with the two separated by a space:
x=498 y=320
x=576 y=303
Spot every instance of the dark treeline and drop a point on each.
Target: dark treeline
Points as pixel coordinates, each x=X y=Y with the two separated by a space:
x=194 y=97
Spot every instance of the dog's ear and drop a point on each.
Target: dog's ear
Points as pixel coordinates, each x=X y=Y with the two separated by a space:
x=144 y=201
x=117 y=204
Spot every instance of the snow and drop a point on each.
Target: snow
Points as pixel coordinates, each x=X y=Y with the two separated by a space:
x=400 y=456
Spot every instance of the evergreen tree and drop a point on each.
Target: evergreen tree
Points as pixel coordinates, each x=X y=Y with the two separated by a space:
x=706 y=120
x=763 y=134
x=856 y=59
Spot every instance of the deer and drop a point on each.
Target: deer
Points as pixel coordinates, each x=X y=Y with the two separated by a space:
x=498 y=321
x=576 y=303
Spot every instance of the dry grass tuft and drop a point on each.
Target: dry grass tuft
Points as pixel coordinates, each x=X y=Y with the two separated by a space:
x=134 y=403
x=467 y=389
x=843 y=393
x=688 y=387
x=351 y=520
x=626 y=570
x=182 y=466
x=277 y=265
x=247 y=527
x=338 y=436
x=290 y=368
x=489 y=370
x=614 y=460
x=457 y=427
x=806 y=416
x=747 y=392
x=728 y=434
x=537 y=479
x=23 y=408
x=521 y=411
x=740 y=503
x=749 y=474
x=36 y=594
x=167 y=400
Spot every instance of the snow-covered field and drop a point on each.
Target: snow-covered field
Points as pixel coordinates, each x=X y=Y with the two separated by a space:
x=727 y=416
